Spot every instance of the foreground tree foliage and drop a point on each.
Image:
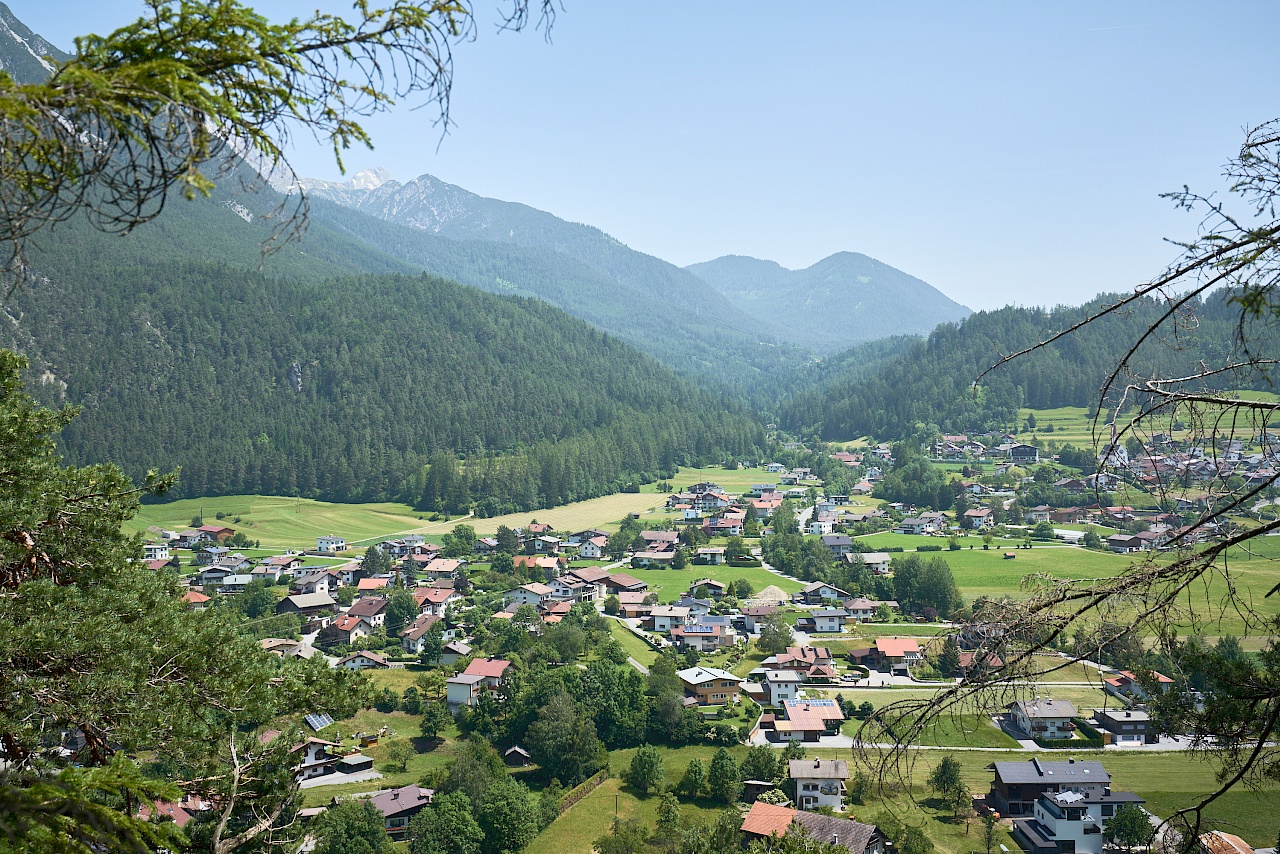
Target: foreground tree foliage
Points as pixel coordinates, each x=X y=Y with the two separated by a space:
x=101 y=657
x=1170 y=598
x=161 y=98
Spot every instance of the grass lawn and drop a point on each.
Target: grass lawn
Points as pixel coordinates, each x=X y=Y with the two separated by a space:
x=592 y=817
x=635 y=647
x=735 y=482
x=871 y=631
x=288 y=522
x=669 y=584
x=396 y=678
x=963 y=730
x=604 y=512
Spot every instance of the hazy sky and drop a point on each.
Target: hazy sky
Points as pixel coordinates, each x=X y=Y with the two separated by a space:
x=1003 y=152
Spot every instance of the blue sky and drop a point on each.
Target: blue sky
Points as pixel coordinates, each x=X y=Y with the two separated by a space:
x=1004 y=152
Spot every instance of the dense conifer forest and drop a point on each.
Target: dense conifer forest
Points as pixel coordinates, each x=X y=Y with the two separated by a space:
x=344 y=388
x=931 y=381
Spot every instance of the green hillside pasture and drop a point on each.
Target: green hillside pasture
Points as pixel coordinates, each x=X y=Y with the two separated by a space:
x=592 y=817
x=965 y=730
x=980 y=572
x=1166 y=780
x=670 y=583
x=1071 y=425
x=296 y=522
x=734 y=482
x=603 y=512
x=287 y=522
x=634 y=646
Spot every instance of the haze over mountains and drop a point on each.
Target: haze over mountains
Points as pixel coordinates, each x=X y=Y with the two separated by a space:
x=840 y=301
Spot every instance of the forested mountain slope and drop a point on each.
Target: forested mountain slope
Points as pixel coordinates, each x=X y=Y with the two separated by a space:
x=512 y=248
x=289 y=380
x=691 y=341
x=844 y=298
x=931 y=383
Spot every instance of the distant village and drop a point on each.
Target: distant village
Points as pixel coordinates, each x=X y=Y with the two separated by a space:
x=341 y=601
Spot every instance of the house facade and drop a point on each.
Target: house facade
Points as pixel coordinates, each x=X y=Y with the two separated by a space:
x=711 y=687
x=819 y=782
x=1047 y=718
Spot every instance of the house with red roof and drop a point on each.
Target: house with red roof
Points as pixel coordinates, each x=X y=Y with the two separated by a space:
x=491 y=670
x=351 y=628
x=435 y=600
x=218 y=532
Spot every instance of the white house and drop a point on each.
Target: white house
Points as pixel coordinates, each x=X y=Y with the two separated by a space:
x=820 y=527
x=1070 y=821
x=330 y=544
x=315 y=759
x=819 y=782
x=665 y=617
x=783 y=685
x=529 y=594
x=156 y=551
x=463 y=690
x=363 y=660
x=594 y=548
x=877 y=562
x=1046 y=718
x=823 y=620
x=233 y=584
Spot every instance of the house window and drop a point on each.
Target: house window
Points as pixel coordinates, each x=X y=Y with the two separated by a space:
x=1108 y=810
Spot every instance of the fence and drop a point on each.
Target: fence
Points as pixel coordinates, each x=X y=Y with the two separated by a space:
x=583 y=789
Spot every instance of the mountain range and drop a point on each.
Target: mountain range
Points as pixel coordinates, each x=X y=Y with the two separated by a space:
x=735 y=310
x=22 y=52
x=843 y=299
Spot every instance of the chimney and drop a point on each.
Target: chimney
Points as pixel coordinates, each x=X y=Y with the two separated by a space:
x=1071 y=761
x=835 y=839
x=395 y=796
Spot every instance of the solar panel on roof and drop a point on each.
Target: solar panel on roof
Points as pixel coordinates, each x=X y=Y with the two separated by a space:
x=318 y=721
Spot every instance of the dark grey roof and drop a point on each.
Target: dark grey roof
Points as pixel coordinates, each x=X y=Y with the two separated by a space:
x=853 y=835
x=830 y=612
x=391 y=802
x=1036 y=771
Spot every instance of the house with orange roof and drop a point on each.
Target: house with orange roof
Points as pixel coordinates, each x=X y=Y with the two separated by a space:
x=371 y=585
x=898 y=655
x=1129 y=686
x=196 y=601
x=491 y=670
x=764 y=821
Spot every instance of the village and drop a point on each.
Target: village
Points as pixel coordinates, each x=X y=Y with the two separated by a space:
x=761 y=656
